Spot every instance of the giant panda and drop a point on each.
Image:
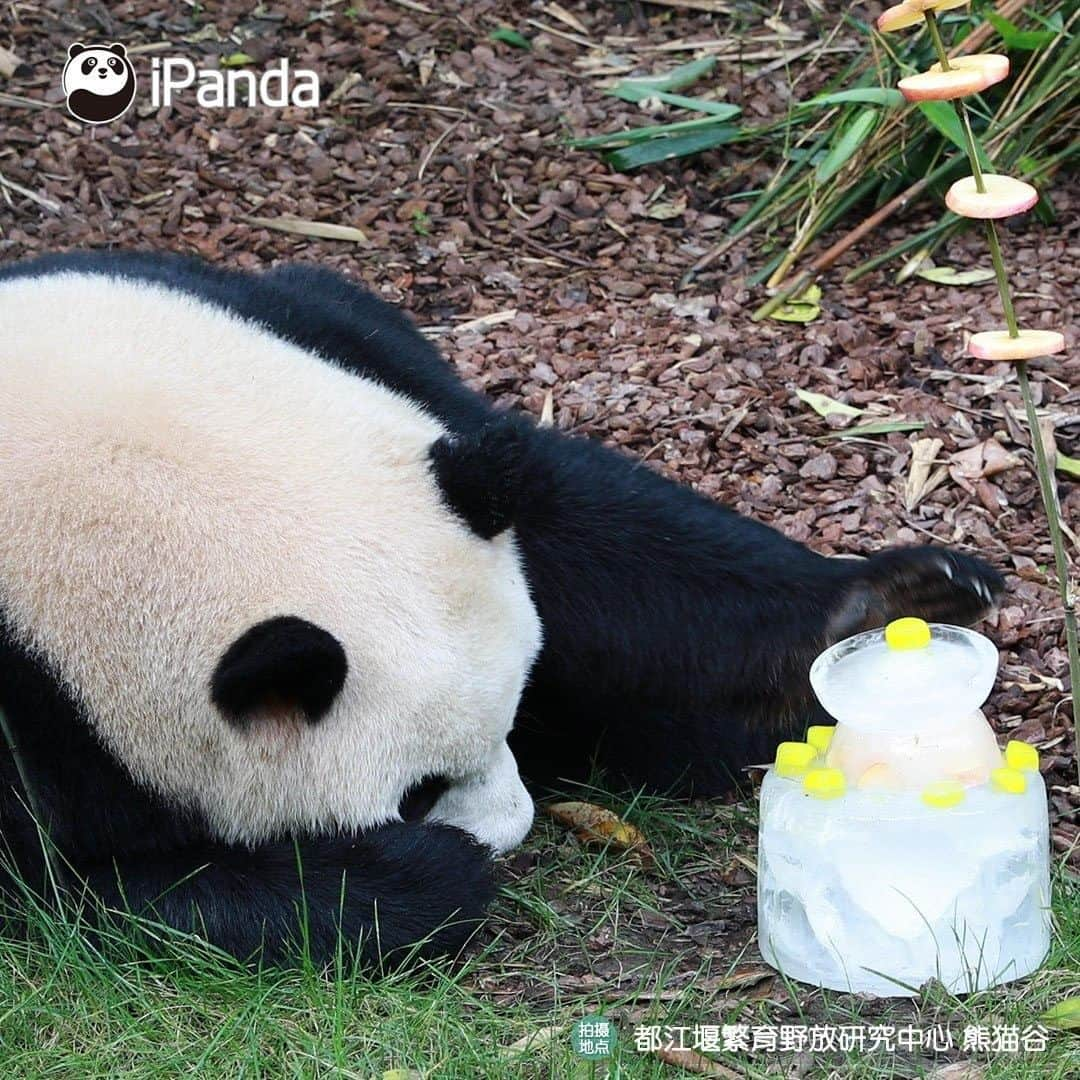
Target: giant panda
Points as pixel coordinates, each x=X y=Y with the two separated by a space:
x=287 y=611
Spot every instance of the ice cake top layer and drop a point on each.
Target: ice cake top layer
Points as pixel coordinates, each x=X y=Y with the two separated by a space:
x=910 y=675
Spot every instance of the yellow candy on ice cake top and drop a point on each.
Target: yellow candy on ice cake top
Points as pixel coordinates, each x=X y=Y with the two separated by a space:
x=1010 y=781
x=825 y=783
x=906 y=699
x=1019 y=755
x=904 y=634
x=794 y=758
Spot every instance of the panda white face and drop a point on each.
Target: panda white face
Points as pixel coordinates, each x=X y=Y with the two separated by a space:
x=172 y=477
x=98 y=70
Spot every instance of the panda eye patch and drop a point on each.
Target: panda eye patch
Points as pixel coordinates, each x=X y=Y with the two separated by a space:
x=114 y=64
x=88 y=65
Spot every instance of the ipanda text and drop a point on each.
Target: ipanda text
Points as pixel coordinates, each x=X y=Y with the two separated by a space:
x=276 y=87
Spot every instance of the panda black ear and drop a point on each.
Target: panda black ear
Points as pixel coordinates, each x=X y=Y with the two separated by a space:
x=282 y=664
x=119 y=49
x=75 y=49
x=481 y=475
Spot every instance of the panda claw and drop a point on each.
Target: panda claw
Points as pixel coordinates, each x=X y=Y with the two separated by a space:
x=938 y=586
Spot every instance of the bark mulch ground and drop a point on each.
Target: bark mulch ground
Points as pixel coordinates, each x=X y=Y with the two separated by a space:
x=551 y=282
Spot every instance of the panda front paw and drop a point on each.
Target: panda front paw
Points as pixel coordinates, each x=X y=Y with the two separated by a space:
x=932 y=583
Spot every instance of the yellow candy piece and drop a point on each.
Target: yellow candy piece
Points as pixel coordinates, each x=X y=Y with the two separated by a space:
x=794 y=758
x=824 y=783
x=1011 y=781
x=943 y=794
x=819 y=736
x=1019 y=755
x=905 y=634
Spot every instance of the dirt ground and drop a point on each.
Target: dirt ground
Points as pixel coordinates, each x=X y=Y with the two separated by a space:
x=445 y=148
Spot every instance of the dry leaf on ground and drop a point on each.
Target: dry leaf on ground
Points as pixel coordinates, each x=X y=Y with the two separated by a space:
x=979 y=462
x=692 y=1061
x=595 y=824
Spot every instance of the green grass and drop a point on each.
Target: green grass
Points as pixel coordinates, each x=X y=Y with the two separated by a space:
x=579 y=931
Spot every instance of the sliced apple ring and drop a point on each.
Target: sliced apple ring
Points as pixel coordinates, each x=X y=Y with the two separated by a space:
x=996 y=65
x=909 y=12
x=1003 y=197
x=998 y=345
x=899 y=17
x=955 y=83
x=936 y=5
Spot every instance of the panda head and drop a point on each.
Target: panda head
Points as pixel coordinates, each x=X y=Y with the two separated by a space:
x=99 y=82
x=239 y=561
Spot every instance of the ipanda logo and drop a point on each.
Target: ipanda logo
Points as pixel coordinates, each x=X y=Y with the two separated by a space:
x=99 y=83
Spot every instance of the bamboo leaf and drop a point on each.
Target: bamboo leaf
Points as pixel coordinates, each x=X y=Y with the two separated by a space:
x=646 y=153
x=721 y=109
x=509 y=36
x=796 y=311
x=826 y=406
x=943 y=117
x=849 y=142
x=1015 y=38
x=949 y=275
x=877 y=427
x=868 y=95
x=641 y=134
x=677 y=79
x=1065 y=1014
x=322 y=230
x=1068 y=465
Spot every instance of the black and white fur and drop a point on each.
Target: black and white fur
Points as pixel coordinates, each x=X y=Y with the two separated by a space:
x=273 y=580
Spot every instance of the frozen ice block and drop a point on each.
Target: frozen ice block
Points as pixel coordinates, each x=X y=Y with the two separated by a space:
x=907 y=847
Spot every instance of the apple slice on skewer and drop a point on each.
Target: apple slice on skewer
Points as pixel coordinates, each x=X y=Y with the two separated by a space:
x=910 y=12
x=899 y=17
x=1003 y=197
x=969 y=75
x=996 y=65
x=998 y=345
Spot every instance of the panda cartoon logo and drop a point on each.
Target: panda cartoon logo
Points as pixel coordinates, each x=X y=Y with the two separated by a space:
x=99 y=82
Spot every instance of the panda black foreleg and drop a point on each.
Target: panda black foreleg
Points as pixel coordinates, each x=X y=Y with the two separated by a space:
x=678 y=634
x=402 y=890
